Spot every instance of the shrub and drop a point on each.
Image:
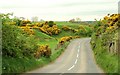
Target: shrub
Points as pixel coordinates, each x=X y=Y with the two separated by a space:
x=50 y=23
x=65 y=28
x=64 y=39
x=28 y=30
x=44 y=51
x=9 y=38
x=107 y=25
x=25 y=22
x=17 y=21
x=54 y=30
x=84 y=31
x=16 y=43
x=81 y=32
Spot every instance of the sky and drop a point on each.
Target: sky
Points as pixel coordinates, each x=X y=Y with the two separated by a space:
x=60 y=10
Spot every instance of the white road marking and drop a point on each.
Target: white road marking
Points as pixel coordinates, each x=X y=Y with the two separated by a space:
x=77 y=55
x=71 y=67
x=76 y=61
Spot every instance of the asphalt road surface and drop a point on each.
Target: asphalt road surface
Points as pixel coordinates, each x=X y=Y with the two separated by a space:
x=77 y=58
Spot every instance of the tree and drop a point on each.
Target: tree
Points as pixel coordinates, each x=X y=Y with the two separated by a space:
x=35 y=19
x=50 y=23
x=17 y=20
x=5 y=17
x=72 y=20
x=78 y=19
x=41 y=20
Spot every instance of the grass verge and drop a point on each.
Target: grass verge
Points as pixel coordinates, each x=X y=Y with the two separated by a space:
x=107 y=61
x=26 y=64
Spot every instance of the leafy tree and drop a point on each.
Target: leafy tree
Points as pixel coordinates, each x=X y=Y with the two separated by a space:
x=50 y=23
x=17 y=20
x=5 y=17
x=78 y=19
x=72 y=20
x=35 y=19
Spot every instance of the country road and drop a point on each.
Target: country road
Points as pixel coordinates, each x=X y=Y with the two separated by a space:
x=77 y=58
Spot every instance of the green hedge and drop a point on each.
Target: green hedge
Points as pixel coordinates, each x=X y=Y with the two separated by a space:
x=16 y=43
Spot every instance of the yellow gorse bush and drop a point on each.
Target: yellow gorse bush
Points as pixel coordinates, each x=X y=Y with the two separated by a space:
x=43 y=50
x=24 y=22
x=66 y=28
x=110 y=22
x=64 y=39
x=28 y=30
x=50 y=30
x=67 y=38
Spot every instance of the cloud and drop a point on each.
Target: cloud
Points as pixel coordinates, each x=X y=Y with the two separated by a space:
x=82 y=3
x=60 y=9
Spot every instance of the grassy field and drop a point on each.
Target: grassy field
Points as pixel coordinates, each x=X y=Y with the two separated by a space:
x=46 y=39
x=72 y=25
x=75 y=26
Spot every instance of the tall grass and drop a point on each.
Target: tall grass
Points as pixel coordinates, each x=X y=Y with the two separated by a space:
x=107 y=61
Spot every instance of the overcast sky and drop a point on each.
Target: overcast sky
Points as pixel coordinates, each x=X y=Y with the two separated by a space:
x=60 y=10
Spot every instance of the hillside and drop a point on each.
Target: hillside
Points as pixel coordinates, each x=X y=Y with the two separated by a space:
x=38 y=43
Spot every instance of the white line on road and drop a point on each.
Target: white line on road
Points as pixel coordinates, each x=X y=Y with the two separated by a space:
x=77 y=55
x=71 y=67
x=76 y=61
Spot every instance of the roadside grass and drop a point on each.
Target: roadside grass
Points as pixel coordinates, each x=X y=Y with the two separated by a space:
x=17 y=65
x=58 y=52
x=107 y=61
x=25 y=64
